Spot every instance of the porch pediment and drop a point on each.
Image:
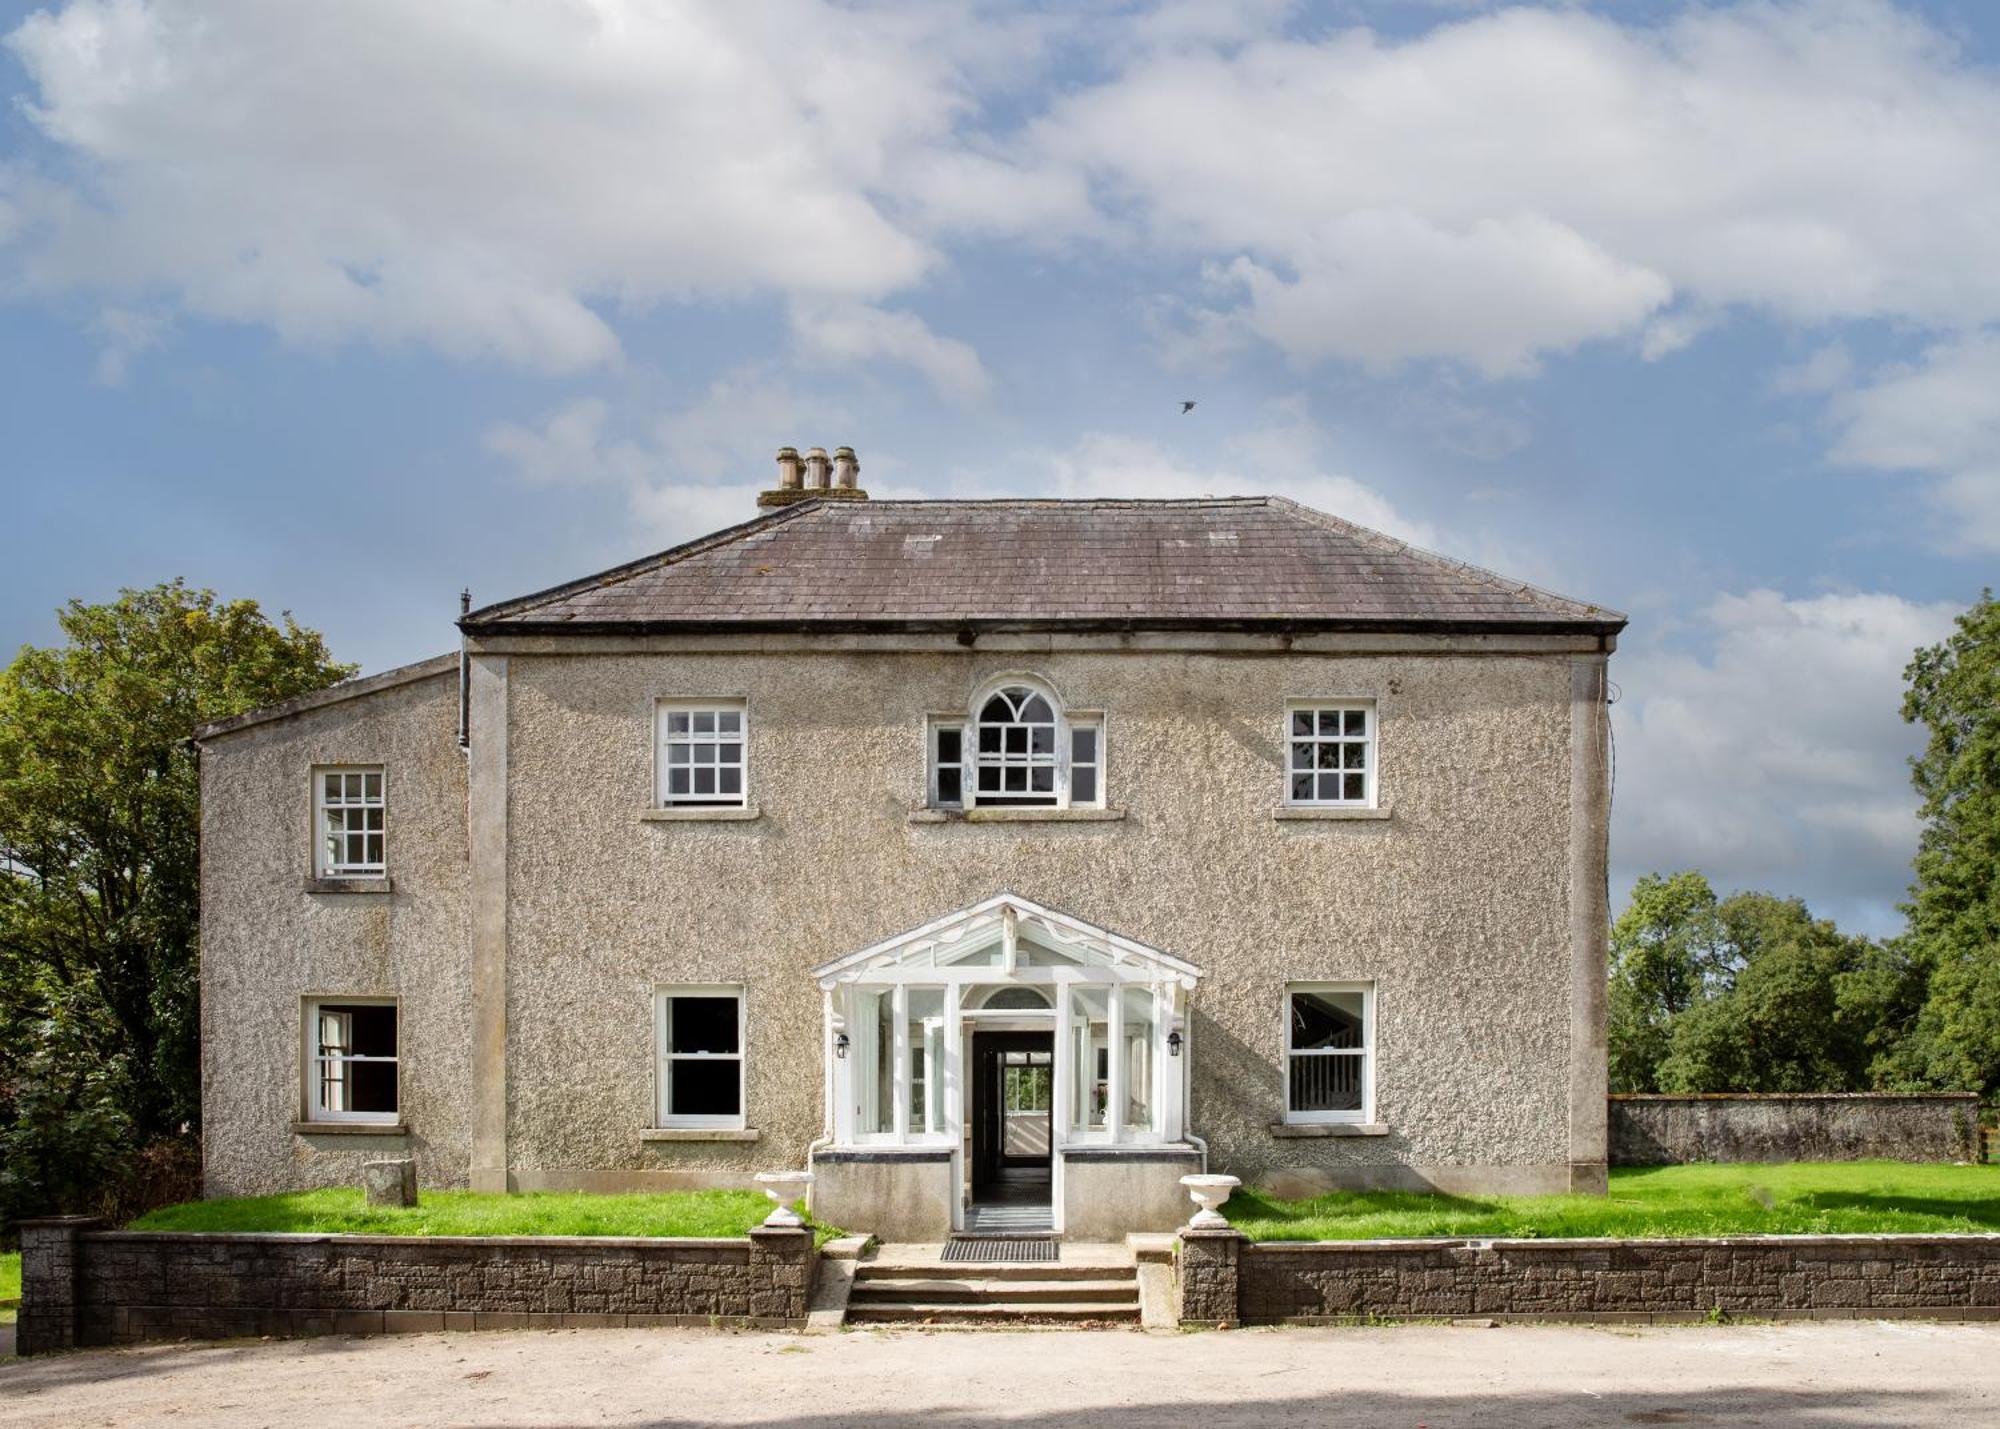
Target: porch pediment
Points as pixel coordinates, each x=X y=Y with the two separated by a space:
x=1009 y=934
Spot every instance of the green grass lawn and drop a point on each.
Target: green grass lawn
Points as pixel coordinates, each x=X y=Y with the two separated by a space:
x=1820 y=1198
x=668 y=1213
x=10 y=1285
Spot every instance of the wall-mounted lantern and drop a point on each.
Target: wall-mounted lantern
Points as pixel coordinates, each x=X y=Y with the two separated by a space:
x=1174 y=1043
x=840 y=1045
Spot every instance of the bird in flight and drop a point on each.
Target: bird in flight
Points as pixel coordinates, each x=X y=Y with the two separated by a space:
x=1186 y=407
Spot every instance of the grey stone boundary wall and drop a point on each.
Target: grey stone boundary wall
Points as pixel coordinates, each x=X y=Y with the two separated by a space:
x=1225 y=1279
x=1793 y=1126
x=82 y=1285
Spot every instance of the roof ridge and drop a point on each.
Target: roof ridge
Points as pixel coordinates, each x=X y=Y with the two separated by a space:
x=616 y=574
x=1452 y=563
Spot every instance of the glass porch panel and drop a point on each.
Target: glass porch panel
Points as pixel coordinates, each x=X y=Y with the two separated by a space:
x=926 y=1021
x=869 y=1027
x=1138 y=1057
x=1090 y=1066
x=884 y=1116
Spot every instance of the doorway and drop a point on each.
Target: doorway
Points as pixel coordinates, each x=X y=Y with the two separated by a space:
x=1013 y=1130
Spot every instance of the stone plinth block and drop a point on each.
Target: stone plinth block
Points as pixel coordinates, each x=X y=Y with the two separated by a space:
x=390 y=1183
x=50 y=1263
x=1208 y=1266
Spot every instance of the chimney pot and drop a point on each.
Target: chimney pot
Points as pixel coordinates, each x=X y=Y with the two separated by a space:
x=788 y=468
x=817 y=469
x=846 y=470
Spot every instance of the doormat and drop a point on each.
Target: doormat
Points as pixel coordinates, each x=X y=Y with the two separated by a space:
x=1001 y=1252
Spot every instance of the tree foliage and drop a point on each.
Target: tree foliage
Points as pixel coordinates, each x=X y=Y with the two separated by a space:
x=99 y=861
x=1954 y=907
x=1747 y=994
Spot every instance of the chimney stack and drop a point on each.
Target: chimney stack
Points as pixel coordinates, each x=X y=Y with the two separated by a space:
x=815 y=477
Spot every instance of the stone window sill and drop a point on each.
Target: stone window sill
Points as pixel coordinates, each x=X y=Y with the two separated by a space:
x=1286 y=1130
x=350 y=885
x=701 y=814
x=1015 y=816
x=350 y=1128
x=1309 y=813
x=700 y=1133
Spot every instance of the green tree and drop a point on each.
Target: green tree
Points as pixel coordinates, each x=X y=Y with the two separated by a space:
x=1954 y=907
x=99 y=862
x=1778 y=1022
x=1668 y=949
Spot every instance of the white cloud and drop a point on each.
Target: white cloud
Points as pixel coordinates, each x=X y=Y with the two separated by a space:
x=487 y=181
x=1281 y=458
x=689 y=470
x=124 y=333
x=1939 y=416
x=1825 y=369
x=840 y=334
x=506 y=181
x=1514 y=184
x=1500 y=187
x=1777 y=761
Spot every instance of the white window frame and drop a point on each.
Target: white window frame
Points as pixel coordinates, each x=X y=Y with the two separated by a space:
x=1371 y=740
x=1093 y=721
x=936 y=725
x=1067 y=722
x=1366 y=1113
x=664 y=1057
x=312 y=1059
x=325 y=865
x=664 y=742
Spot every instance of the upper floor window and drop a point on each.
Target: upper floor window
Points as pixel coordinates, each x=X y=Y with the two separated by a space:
x=700 y=758
x=1330 y=756
x=351 y=1060
x=1329 y=1052
x=1018 y=749
x=348 y=810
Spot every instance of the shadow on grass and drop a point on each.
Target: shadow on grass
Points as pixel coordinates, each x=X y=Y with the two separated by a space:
x=1982 y=1213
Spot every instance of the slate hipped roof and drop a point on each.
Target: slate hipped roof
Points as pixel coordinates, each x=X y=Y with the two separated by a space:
x=1247 y=562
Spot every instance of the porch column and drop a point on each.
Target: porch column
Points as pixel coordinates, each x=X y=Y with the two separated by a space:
x=899 y=1060
x=1065 y=1073
x=1114 y=1062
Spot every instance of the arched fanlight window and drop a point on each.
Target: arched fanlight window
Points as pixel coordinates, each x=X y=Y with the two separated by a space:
x=1018 y=998
x=1015 y=746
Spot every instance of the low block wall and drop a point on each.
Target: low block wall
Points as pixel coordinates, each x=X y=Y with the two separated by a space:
x=85 y=1286
x=1765 y=1277
x=1810 y=1126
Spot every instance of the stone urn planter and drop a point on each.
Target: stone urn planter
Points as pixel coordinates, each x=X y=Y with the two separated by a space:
x=784 y=1187
x=1208 y=1193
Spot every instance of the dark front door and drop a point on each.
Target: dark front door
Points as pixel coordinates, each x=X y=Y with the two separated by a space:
x=1013 y=1096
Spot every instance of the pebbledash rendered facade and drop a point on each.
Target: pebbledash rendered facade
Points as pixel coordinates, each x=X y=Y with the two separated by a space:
x=998 y=861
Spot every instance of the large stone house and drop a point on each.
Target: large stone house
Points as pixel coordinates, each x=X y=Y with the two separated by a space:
x=1002 y=861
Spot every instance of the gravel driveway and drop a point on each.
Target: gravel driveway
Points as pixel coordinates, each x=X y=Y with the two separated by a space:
x=1798 y=1374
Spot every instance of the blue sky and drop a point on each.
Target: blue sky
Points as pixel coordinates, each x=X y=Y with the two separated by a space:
x=1690 y=310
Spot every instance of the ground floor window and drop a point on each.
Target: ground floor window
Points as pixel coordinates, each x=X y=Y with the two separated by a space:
x=1329 y=1052
x=701 y=1057
x=351 y=1071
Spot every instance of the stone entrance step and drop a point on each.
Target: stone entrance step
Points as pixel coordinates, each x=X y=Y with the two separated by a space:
x=908 y=1289
x=903 y=1289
